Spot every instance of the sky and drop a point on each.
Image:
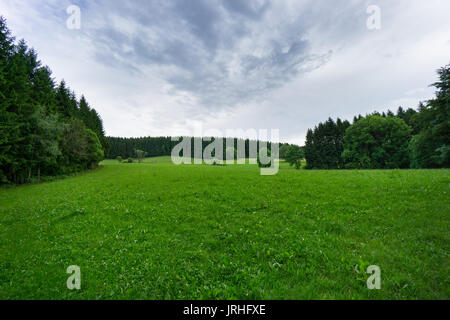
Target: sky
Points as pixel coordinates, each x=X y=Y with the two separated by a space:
x=168 y=68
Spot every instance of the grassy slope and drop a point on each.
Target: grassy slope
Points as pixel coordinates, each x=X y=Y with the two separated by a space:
x=158 y=231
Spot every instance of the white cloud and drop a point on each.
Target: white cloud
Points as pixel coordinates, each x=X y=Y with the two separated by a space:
x=154 y=68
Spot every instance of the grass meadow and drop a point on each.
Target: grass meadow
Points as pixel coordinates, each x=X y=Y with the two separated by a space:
x=159 y=231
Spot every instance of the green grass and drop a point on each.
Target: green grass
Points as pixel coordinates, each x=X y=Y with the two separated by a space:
x=159 y=231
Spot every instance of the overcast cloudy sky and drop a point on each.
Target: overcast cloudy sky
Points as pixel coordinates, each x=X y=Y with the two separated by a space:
x=159 y=67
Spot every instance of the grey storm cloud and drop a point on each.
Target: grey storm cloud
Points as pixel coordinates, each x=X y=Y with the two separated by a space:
x=222 y=52
x=157 y=67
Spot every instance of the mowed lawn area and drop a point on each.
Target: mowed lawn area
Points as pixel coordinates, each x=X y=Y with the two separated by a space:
x=160 y=231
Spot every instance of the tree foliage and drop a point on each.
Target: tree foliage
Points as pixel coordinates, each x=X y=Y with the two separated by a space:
x=324 y=145
x=294 y=156
x=163 y=146
x=140 y=155
x=283 y=150
x=377 y=142
x=44 y=129
x=411 y=138
x=430 y=146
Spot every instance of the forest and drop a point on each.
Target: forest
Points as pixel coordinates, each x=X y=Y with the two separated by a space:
x=408 y=139
x=125 y=148
x=44 y=129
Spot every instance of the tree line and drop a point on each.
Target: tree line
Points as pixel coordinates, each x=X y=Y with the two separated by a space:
x=125 y=148
x=408 y=139
x=44 y=129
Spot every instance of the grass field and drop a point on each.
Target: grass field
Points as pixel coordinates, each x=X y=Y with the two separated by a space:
x=159 y=231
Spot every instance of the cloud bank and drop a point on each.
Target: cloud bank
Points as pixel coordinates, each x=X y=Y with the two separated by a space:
x=156 y=67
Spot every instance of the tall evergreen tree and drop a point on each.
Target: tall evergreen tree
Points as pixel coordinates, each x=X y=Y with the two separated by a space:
x=36 y=120
x=430 y=148
x=64 y=101
x=324 y=145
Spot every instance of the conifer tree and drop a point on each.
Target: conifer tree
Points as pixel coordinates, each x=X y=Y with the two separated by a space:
x=37 y=120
